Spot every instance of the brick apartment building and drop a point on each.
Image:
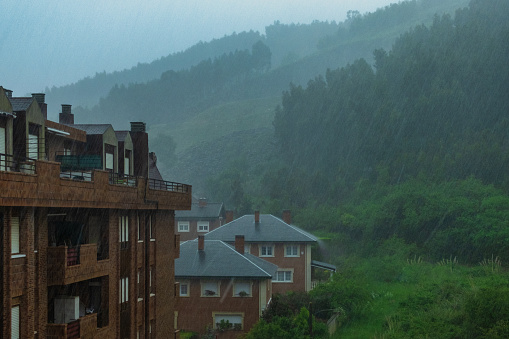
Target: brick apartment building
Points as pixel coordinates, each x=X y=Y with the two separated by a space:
x=87 y=236
x=203 y=217
x=220 y=283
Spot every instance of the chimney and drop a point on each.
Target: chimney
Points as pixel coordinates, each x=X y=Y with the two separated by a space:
x=66 y=117
x=229 y=216
x=287 y=217
x=201 y=243
x=239 y=243
x=140 y=151
x=39 y=97
x=257 y=217
x=8 y=92
x=202 y=202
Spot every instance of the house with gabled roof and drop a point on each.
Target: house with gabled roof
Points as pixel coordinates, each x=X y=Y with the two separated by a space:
x=203 y=217
x=277 y=241
x=220 y=286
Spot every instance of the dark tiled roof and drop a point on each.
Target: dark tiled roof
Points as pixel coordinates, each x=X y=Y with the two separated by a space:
x=121 y=135
x=269 y=229
x=323 y=265
x=209 y=211
x=21 y=104
x=92 y=129
x=153 y=171
x=219 y=260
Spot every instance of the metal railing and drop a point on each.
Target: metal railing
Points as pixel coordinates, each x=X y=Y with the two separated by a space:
x=163 y=185
x=77 y=175
x=11 y=163
x=122 y=179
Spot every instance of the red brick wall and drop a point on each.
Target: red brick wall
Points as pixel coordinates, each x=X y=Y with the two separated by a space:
x=195 y=312
x=193 y=229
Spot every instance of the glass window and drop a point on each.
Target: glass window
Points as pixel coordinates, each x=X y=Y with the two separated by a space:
x=283 y=276
x=184 y=289
x=210 y=289
x=203 y=226
x=183 y=226
x=228 y=321
x=242 y=289
x=291 y=250
x=123 y=223
x=267 y=251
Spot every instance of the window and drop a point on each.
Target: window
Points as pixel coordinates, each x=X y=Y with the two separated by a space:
x=33 y=142
x=123 y=224
x=242 y=289
x=203 y=226
x=151 y=230
x=284 y=275
x=247 y=248
x=139 y=229
x=267 y=251
x=15 y=329
x=127 y=162
x=184 y=289
x=291 y=250
x=152 y=282
x=124 y=290
x=210 y=289
x=228 y=321
x=140 y=286
x=14 y=235
x=183 y=226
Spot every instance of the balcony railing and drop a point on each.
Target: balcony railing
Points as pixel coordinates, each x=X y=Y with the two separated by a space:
x=163 y=185
x=77 y=175
x=122 y=179
x=11 y=163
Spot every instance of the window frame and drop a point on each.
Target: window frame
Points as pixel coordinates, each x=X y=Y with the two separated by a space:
x=242 y=282
x=203 y=284
x=203 y=224
x=228 y=315
x=123 y=231
x=292 y=246
x=187 y=284
x=275 y=279
x=266 y=246
x=183 y=223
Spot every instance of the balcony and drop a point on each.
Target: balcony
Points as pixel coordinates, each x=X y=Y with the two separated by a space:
x=83 y=327
x=67 y=265
x=10 y=163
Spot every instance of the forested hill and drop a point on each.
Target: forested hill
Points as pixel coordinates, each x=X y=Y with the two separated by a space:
x=299 y=52
x=436 y=105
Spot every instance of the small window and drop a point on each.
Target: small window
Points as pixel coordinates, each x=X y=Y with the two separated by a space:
x=124 y=290
x=291 y=250
x=283 y=276
x=267 y=251
x=242 y=289
x=247 y=248
x=184 y=289
x=123 y=222
x=183 y=226
x=229 y=321
x=151 y=229
x=203 y=226
x=15 y=235
x=15 y=323
x=210 y=289
x=140 y=238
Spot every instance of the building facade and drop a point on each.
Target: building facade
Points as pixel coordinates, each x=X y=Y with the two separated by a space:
x=203 y=217
x=277 y=241
x=220 y=287
x=88 y=250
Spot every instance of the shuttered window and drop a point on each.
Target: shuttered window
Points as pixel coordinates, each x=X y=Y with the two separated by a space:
x=14 y=235
x=126 y=166
x=2 y=149
x=109 y=161
x=15 y=322
x=33 y=146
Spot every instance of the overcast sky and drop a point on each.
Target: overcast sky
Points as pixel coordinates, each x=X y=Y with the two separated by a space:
x=56 y=42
